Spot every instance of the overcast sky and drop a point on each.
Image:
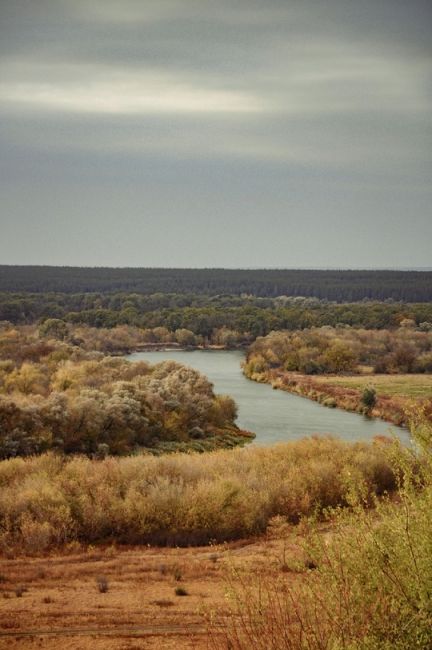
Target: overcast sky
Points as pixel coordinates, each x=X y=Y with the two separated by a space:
x=276 y=133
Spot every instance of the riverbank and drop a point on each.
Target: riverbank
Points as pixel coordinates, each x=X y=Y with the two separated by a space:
x=203 y=442
x=332 y=392
x=274 y=416
x=157 y=347
x=172 y=346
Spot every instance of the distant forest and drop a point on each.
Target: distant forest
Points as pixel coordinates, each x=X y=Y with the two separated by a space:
x=338 y=286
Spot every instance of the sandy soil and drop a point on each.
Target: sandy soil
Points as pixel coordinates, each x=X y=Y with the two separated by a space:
x=55 y=602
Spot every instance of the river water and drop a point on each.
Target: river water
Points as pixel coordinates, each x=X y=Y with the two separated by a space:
x=274 y=415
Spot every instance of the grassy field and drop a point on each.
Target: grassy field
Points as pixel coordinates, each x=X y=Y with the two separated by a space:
x=409 y=385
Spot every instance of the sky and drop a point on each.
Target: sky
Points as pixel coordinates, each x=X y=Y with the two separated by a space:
x=216 y=133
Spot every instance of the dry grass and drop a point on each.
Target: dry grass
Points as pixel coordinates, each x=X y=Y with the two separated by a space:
x=140 y=610
x=181 y=499
x=395 y=394
x=367 y=584
x=410 y=386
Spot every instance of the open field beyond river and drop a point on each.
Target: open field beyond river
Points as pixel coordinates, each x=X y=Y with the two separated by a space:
x=409 y=386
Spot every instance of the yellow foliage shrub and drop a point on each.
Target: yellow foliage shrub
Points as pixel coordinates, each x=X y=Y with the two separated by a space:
x=182 y=498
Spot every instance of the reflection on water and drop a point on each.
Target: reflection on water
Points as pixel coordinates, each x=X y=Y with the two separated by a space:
x=274 y=415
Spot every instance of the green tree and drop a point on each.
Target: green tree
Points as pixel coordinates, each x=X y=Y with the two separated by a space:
x=368 y=398
x=53 y=328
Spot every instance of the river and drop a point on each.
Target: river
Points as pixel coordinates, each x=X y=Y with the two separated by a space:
x=274 y=415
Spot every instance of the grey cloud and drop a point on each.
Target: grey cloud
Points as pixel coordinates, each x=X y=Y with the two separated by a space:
x=320 y=110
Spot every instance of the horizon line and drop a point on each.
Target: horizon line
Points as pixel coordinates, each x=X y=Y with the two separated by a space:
x=228 y=268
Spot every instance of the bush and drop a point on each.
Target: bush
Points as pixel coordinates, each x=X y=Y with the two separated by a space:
x=181 y=591
x=102 y=584
x=321 y=350
x=330 y=402
x=368 y=398
x=371 y=584
x=182 y=499
x=109 y=406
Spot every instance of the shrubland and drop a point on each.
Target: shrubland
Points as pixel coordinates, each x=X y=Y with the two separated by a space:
x=366 y=579
x=63 y=395
x=343 y=350
x=361 y=512
x=181 y=499
x=338 y=367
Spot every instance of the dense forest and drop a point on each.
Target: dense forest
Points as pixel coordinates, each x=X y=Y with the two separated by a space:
x=337 y=285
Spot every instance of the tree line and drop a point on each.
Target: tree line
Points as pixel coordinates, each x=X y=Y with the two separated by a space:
x=202 y=315
x=343 y=350
x=337 y=285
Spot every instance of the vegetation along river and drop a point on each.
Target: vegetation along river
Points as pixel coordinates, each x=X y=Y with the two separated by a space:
x=274 y=415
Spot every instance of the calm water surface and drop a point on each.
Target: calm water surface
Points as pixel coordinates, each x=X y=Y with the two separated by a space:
x=274 y=415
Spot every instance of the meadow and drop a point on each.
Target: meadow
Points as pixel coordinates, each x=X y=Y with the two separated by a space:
x=406 y=386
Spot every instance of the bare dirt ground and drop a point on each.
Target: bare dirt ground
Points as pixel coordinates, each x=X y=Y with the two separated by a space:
x=58 y=601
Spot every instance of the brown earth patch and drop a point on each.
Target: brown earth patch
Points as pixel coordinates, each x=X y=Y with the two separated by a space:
x=54 y=601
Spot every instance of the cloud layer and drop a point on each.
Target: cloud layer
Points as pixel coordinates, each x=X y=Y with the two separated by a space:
x=299 y=118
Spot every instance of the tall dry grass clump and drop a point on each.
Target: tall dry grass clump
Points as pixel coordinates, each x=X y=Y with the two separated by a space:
x=367 y=582
x=181 y=499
